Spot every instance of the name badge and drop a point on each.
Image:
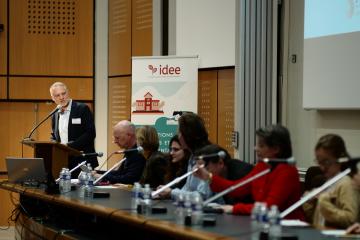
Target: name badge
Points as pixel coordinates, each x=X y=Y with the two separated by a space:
x=76 y=120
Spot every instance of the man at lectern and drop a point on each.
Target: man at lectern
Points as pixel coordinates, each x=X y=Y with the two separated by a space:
x=73 y=125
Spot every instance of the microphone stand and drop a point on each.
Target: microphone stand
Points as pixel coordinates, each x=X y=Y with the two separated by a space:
x=106 y=173
x=233 y=187
x=38 y=125
x=107 y=159
x=315 y=192
x=176 y=180
x=79 y=165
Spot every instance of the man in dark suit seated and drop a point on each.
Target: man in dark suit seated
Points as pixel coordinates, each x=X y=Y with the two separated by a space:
x=130 y=171
x=73 y=125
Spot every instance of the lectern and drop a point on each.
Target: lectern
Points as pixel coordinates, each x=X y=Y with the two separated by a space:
x=55 y=155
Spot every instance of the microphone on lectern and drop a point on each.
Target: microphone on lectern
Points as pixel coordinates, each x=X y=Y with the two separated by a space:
x=58 y=107
x=95 y=154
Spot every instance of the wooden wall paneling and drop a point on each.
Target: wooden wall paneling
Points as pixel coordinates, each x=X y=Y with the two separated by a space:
x=207 y=101
x=3 y=37
x=38 y=88
x=6 y=206
x=16 y=121
x=142 y=27
x=3 y=88
x=51 y=37
x=226 y=108
x=119 y=109
x=119 y=37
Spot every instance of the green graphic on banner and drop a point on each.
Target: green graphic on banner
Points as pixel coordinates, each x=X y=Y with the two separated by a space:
x=166 y=130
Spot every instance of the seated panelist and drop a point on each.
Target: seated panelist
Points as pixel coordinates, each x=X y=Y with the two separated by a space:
x=280 y=187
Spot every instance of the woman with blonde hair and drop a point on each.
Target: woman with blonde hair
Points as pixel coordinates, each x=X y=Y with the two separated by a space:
x=157 y=163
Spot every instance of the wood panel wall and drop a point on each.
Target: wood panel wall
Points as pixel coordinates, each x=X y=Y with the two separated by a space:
x=3 y=88
x=119 y=106
x=119 y=37
x=216 y=105
x=3 y=37
x=130 y=34
x=51 y=37
x=207 y=101
x=226 y=94
x=142 y=28
x=38 y=88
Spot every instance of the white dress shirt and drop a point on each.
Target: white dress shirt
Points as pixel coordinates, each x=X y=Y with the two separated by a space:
x=64 y=123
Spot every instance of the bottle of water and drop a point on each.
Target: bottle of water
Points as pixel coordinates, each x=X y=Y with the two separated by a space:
x=89 y=187
x=146 y=208
x=274 y=223
x=67 y=183
x=263 y=220
x=197 y=209
x=180 y=207
x=62 y=180
x=187 y=209
x=135 y=196
x=83 y=179
x=255 y=216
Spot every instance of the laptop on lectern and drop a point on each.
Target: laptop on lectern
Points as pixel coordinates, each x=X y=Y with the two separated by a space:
x=25 y=170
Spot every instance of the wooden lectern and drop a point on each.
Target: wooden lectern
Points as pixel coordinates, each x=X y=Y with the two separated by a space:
x=55 y=155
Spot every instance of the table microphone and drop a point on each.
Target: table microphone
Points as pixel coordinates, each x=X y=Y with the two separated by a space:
x=290 y=160
x=107 y=172
x=96 y=154
x=233 y=187
x=315 y=192
x=176 y=180
x=58 y=107
x=77 y=166
x=220 y=154
x=139 y=149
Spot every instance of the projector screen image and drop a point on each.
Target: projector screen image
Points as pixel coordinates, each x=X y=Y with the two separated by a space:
x=331 y=54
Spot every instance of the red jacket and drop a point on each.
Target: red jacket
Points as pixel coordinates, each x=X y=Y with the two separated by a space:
x=280 y=187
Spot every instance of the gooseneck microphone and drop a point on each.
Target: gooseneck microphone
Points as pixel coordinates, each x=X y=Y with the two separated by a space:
x=315 y=192
x=95 y=154
x=139 y=149
x=233 y=187
x=58 y=107
x=176 y=180
x=290 y=160
x=220 y=154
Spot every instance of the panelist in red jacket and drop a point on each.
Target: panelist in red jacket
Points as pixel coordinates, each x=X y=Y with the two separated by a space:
x=280 y=187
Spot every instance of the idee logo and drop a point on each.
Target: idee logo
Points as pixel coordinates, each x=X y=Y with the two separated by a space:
x=164 y=70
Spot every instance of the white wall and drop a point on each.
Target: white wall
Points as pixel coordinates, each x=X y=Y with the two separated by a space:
x=205 y=28
x=101 y=76
x=307 y=126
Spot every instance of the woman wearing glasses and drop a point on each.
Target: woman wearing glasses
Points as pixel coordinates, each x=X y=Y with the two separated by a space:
x=338 y=206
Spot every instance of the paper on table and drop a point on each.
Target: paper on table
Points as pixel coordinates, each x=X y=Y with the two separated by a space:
x=294 y=223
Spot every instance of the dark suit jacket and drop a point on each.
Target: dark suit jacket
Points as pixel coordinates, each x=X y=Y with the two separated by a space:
x=81 y=135
x=130 y=170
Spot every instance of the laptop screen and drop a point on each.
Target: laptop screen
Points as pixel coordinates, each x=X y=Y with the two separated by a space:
x=22 y=170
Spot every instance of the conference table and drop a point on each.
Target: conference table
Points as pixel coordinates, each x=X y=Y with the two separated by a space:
x=68 y=216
